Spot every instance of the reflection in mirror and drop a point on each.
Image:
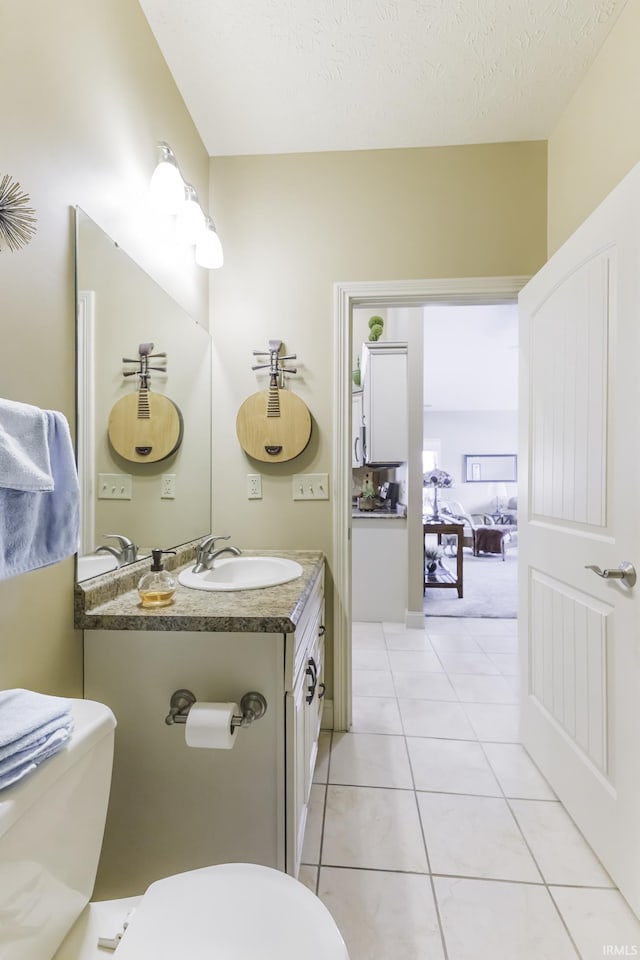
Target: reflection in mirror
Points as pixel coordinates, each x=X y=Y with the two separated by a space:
x=480 y=468
x=154 y=504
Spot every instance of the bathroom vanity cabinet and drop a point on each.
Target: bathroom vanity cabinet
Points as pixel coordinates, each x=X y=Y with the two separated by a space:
x=174 y=807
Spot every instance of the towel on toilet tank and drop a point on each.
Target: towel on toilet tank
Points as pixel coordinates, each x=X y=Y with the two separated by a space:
x=33 y=727
x=39 y=527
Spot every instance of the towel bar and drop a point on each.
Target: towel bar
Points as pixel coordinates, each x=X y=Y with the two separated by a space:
x=253 y=706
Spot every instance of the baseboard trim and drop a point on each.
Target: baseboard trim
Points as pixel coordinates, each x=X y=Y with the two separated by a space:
x=327 y=716
x=414 y=619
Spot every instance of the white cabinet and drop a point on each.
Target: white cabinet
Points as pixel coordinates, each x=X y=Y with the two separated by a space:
x=357 y=430
x=303 y=716
x=385 y=409
x=174 y=808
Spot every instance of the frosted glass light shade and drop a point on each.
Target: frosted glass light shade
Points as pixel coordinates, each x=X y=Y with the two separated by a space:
x=209 y=249
x=166 y=189
x=190 y=221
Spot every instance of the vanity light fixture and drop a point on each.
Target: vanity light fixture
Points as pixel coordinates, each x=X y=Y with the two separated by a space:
x=171 y=194
x=209 y=249
x=166 y=189
x=190 y=223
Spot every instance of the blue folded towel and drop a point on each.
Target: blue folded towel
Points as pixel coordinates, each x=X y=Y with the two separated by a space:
x=38 y=528
x=20 y=764
x=24 y=447
x=33 y=727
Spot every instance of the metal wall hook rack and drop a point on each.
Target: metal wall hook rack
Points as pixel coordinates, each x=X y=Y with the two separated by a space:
x=252 y=704
x=276 y=370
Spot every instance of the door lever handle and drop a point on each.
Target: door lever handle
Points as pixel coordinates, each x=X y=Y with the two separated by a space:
x=625 y=571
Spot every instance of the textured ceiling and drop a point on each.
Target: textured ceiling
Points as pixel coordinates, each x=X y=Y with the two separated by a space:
x=281 y=76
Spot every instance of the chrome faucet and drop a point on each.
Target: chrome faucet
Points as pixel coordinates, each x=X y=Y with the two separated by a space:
x=125 y=552
x=205 y=555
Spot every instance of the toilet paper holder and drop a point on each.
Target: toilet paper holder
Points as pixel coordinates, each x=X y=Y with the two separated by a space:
x=253 y=706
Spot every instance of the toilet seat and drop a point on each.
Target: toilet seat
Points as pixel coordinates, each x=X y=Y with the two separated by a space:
x=226 y=910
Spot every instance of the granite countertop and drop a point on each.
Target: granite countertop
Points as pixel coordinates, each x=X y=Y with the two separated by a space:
x=111 y=601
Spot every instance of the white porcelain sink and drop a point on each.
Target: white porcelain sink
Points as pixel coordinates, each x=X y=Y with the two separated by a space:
x=93 y=565
x=242 y=573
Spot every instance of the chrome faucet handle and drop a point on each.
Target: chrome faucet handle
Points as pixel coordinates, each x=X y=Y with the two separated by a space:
x=127 y=549
x=122 y=541
x=210 y=542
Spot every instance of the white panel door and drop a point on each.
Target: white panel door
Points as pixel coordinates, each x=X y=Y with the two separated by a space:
x=580 y=638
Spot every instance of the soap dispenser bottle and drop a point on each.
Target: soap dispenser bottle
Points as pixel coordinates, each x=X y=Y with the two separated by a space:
x=156 y=587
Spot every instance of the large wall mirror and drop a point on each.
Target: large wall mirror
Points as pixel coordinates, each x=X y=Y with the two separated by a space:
x=154 y=504
x=480 y=468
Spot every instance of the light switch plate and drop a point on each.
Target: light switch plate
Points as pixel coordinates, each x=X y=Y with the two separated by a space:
x=311 y=486
x=114 y=486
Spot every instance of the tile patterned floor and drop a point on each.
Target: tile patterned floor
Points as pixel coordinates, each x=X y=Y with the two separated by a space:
x=431 y=834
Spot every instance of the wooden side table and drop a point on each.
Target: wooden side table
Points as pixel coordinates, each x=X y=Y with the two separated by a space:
x=442 y=576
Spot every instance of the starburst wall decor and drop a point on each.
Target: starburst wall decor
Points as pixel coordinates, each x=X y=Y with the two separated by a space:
x=17 y=220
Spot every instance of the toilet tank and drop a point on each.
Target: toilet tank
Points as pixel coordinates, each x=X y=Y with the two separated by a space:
x=51 y=828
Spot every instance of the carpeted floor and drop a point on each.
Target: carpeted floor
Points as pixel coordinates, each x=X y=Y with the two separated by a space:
x=489 y=588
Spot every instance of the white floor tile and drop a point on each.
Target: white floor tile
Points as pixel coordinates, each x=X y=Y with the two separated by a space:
x=322 y=760
x=508 y=664
x=375 y=715
x=468 y=663
x=367 y=636
x=382 y=916
x=446 y=625
x=435 y=718
x=378 y=829
x=599 y=921
x=404 y=661
x=561 y=851
x=474 y=837
x=365 y=659
x=408 y=640
x=498 y=643
x=517 y=774
x=492 y=920
x=479 y=627
x=370 y=760
x=423 y=686
x=451 y=643
x=313 y=829
x=494 y=721
x=451 y=766
x=474 y=689
x=372 y=683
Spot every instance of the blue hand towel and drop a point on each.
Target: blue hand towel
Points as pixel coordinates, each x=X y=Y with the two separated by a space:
x=25 y=714
x=16 y=767
x=33 y=727
x=41 y=528
x=24 y=447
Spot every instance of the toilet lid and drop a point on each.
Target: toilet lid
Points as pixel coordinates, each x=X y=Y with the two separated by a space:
x=219 y=912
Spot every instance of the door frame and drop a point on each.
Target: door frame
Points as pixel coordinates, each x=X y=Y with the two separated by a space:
x=377 y=293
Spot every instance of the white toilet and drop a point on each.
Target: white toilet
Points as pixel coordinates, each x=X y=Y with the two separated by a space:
x=51 y=828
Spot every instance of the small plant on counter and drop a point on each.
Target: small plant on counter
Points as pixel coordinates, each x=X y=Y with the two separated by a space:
x=376 y=325
x=367 y=500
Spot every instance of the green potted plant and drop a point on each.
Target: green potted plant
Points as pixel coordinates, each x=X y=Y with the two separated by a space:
x=376 y=325
x=367 y=500
x=432 y=557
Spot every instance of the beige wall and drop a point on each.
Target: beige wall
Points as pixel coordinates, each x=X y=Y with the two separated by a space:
x=294 y=225
x=86 y=95
x=597 y=140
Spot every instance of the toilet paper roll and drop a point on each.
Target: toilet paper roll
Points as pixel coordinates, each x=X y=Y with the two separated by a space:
x=209 y=725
